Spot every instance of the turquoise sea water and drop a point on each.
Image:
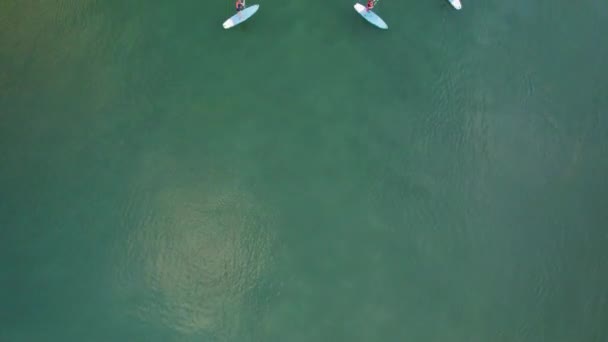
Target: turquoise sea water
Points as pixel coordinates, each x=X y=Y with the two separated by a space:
x=304 y=176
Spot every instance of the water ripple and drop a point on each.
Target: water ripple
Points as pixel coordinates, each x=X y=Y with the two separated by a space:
x=198 y=251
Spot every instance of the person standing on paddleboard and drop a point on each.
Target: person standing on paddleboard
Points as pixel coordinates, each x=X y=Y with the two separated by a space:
x=240 y=5
x=370 y=4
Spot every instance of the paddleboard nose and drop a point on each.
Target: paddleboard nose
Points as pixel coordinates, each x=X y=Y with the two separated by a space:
x=456 y=4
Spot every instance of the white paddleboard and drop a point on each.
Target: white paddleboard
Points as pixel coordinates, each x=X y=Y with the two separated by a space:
x=370 y=16
x=240 y=16
x=456 y=4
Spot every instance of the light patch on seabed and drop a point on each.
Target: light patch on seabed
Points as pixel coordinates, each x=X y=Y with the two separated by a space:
x=199 y=249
